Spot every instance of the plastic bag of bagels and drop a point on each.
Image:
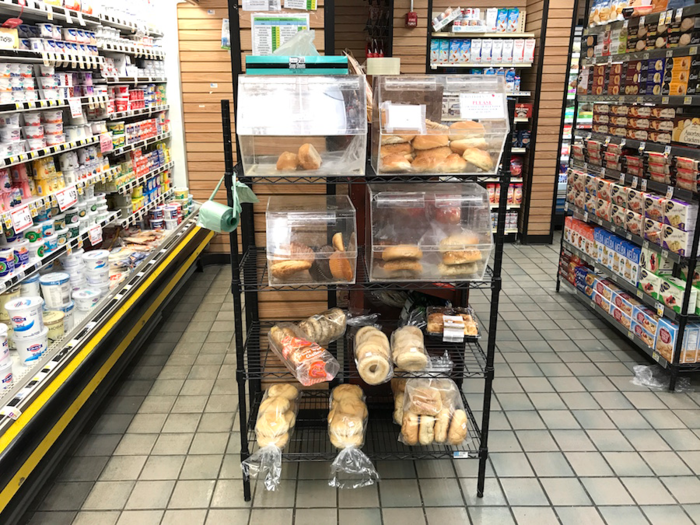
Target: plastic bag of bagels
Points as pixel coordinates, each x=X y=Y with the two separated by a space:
x=347 y=424
x=326 y=327
x=433 y=412
x=273 y=427
x=408 y=348
x=308 y=361
x=373 y=355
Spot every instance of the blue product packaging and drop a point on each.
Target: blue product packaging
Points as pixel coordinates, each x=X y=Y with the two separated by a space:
x=513 y=20
x=502 y=20
x=455 y=51
x=444 y=51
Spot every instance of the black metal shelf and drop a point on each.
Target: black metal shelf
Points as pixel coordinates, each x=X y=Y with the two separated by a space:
x=666 y=100
x=262 y=363
x=658 y=306
x=310 y=441
x=254 y=278
x=641 y=146
x=651 y=18
x=676 y=52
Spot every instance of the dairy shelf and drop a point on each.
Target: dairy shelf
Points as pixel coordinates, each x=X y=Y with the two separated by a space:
x=656 y=305
x=38 y=57
x=136 y=50
x=468 y=357
x=134 y=80
x=254 y=277
x=132 y=219
x=157 y=171
x=622 y=232
x=640 y=183
x=127 y=26
x=480 y=64
x=140 y=144
x=518 y=150
x=474 y=34
x=508 y=206
x=35 y=105
x=310 y=442
x=47 y=152
x=61 y=352
x=138 y=112
x=43 y=12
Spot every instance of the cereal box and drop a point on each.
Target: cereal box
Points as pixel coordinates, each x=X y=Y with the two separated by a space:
x=675 y=240
x=681 y=215
x=649 y=283
x=601 y=302
x=666 y=339
x=624 y=302
x=619 y=316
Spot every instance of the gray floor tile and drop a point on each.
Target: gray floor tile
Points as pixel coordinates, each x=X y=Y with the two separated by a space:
x=150 y=495
x=406 y=516
x=666 y=464
x=52 y=518
x=565 y=491
x=227 y=516
x=312 y=493
x=550 y=464
x=191 y=494
x=648 y=491
x=685 y=489
x=523 y=492
x=108 y=495
x=66 y=496
x=665 y=514
x=123 y=468
x=623 y=516
x=185 y=517
x=579 y=516
x=140 y=517
x=315 y=516
x=490 y=515
x=607 y=491
x=440 y=493
x=83 y=468
x=535 y=516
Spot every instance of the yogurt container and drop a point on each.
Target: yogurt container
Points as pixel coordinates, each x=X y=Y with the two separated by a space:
x=21 y=252
x=54 y=321
x=170 y=224
x=100 y=276
x=37 y=250
x=72 y=216
x=4 y=345
x=47 y=228
x=103 y=288
x=6 y=378
x=62 y=236
x=30 y=286
x=4 y=299
x=30 y=349
x=59 y=221
x=25 y=316
x=85 y=300
x=7 y=261
x=55 y=287
x=96 y=259
x=67 y=316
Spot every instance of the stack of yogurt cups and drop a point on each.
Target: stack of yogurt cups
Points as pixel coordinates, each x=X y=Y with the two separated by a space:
x=97 y=274
x=6 y=377
x=30 y=336
x=75 y=268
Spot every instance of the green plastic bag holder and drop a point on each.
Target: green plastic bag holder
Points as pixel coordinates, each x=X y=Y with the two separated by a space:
x=220 y=217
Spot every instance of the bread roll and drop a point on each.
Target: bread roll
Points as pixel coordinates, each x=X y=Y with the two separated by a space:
x=347 y=391
x=404 y=149
x=480 y=158
x=430 y=141
x=409 y=428
x=341 y=269
x=285 y=390
x=436 y=153
x=459 y=146
x=453 y=163
x=427 y=164
x=425 y=400
x=458 y=428
x=466 y=129
x=309 y=159
x=287 y=161
x=426 y=432
x=396 y=139
x=393 y=163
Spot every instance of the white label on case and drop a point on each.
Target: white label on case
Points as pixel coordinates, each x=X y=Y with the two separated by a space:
x=453 y=331
x=405 y=117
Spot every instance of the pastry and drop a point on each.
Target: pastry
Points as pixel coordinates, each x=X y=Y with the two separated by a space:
x=458 y=428
x=345 y=442
x=337 y=242
x=436 y=322
x=324 y=327
x=470 y=255
x=340 y=266
x=285 y=390
x=378 y=338
x=425 y=400
x=409 y=428
x=412 y=330
x=369 y=349
x=347 y=391
x=278 y=405
x=466 y=129
x=320 y=269
x=426 y=432
x=351 y=406
x=374 y=369
x=458 y=242
x=442 y=422
x=480 y=158
x=426 y=164
x=309 y=159
x=437 y=153
x=402 y=251
x=287 y=161
x=453 y=163
x=291 y=259
x=429 y=124
x=346 y=426
x=460 y=146
x=392 y=163
x=430 y=141
x=408 y=349
x=404 y=149
x=403 y=265
x=285 y=269
x=396 y=139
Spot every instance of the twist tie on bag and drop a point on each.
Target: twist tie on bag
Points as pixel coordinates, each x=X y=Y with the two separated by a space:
x=267 y=461
x=220 y=217
x=352 y=469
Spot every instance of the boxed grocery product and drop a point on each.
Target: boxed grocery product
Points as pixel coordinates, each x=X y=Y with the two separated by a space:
x=649 y=283
x=602 y=209
x=618 y=256
x=686 y=129
x=647 y=318
x=599 y=238
x=624 y=302
x=581 y=272
x=648 y=338
x=652 y=231
x=618 y=215
x=681 y=215
x=676 y=240
x=610 y=243
x=632 y=260
x=618 y=194
x=672 y=291
x=590 y=203
x=666 y=339
x=635 y=200
x=654 y=207
x=634 y=222
x=606 y=288
x=601 y=302
x=691 y=338
x=619 y=316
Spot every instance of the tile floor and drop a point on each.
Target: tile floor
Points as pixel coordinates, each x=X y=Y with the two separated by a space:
x=573 y=441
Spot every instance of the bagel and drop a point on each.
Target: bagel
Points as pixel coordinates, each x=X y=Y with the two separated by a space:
x=374 y=369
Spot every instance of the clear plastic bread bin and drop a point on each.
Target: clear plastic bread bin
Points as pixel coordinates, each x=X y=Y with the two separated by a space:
x=429 y=232
x=311 y=239
x=415 y=130
x=311 y=125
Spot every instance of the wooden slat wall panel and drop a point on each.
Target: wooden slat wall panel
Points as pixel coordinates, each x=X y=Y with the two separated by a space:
x=350 y=19
x=543 y=170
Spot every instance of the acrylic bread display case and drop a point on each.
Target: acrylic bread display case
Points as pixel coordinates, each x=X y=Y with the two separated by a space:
x=313 y=125
x=428 y=232
x=410 y=133
x=311 y=239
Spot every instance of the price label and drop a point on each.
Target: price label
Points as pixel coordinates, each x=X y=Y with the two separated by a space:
x=95 y=234
x=662 y=18
x=405 y=117
x=628 y=236
x=67 y=198
x=644 y=185
x=585 y=216
x=622 y=178
x=656 y=356
x=645 y=244
x=640 y=294
x=76 y=108
x=566 y=206
x=630 y=334
x=642 y=147
x=8 y=411
x=21 y=219
x=688 y=100
x=664 y=100
x=602 y=172
x=659 y=309
x=669 y=192
x=679 y=14
x=635 y=180
x=453 y=329
x=106 y=143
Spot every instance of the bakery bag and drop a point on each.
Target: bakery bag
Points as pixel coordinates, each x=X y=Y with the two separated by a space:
x=221 y=218
x=266 y=461
x=347 y=424
x=300 y=45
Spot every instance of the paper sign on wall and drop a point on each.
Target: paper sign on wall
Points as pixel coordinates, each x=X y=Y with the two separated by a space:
x=309 y=5
x=476 y=106
x=407 y=117
x=261 y=5
x=271 y=31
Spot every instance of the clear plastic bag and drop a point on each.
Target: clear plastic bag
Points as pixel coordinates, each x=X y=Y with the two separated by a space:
x=273 y=428
x=347 y=424
x=408 y=348
x=398 y=387
x=433 y=412
x=300 y=45
x=326 y=327
x=373 y=355
x=436 y=320
x=656 y=378
x=309 y=362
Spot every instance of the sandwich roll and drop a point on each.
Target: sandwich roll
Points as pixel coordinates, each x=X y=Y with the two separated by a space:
x=430 y=141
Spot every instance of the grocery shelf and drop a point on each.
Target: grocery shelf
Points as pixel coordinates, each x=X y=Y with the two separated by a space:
x=85 y=327
x=667 y=100
x=518 y=150
x=468 y=357
x=137 y=112
x=479 y=64
x=37 y=264
x=508 y=231
x=254 y=278
x=650 y=18
x=508 y=206
x=136 y=182
x=136 y=50
x=310 y=442
x=636 y=239
x=474 y=34
x=140 y=144
x=132 y=219
x=637 y=182
x=47 y=152
x=651 y=54
x=683 y=151
x=513 y=180
x=127 y=26
x=134 y=80
x=40 y=13
x=38 y=57
x=520 y=94
x=656 y=305
x=35 y=105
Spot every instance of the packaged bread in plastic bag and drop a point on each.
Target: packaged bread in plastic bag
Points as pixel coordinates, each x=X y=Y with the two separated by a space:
x=408 y=348
x=373 y=355
x=347 y=423
x=433 y=412
x=273 y=428
x=326 y=327
x=308 y=361
x=398 y=387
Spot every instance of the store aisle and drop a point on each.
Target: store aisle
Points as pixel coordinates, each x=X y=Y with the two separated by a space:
x=573 y=441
